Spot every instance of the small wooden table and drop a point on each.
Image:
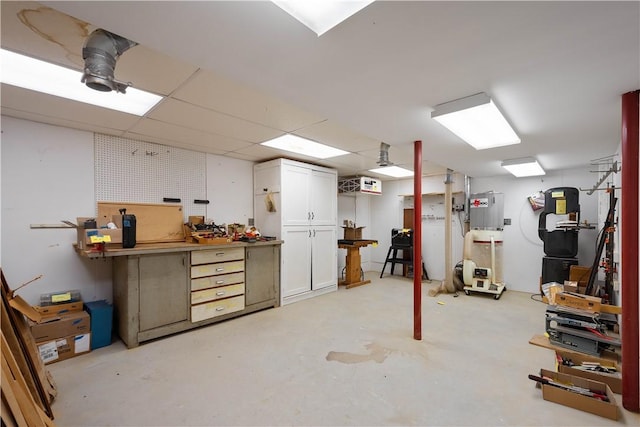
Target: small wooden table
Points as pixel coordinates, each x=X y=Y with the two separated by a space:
x=353 y=269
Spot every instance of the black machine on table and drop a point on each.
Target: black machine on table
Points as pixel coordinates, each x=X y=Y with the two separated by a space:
x=580 y=330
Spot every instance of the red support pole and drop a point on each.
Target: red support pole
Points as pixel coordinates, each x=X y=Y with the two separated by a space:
x=417 y=240
x=629 y=251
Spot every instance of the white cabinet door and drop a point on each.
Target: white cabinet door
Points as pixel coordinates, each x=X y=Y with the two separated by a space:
x=296 y=261
x=295 y=186
x=324 y=198
x=324 y=257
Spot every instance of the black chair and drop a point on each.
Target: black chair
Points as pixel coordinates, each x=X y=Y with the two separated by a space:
x=401 y=240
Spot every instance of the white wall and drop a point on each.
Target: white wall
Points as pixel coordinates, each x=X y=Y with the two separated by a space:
x=523 y=249
x=229 y=190
x=47 y=176
x=387 y=213
x=355 y=207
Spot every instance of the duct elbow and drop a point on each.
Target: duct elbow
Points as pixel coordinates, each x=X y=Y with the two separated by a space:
x=100 y=53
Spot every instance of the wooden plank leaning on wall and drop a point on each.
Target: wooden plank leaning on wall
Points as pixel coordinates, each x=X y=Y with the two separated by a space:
x=27 y=380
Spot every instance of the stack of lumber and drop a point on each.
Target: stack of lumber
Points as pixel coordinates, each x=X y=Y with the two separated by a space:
x=27 y=388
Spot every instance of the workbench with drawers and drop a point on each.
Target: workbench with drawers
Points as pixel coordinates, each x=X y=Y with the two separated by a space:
x=165 y=288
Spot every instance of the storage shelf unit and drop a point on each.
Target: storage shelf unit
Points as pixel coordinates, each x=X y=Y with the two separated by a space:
x=298 y=203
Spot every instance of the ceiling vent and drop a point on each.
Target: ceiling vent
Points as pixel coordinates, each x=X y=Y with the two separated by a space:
x=100 y=53
x=383 y=160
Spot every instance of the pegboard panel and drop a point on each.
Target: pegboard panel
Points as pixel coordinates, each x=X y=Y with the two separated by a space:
x=143 y=172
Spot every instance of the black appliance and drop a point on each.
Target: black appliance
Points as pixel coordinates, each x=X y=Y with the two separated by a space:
x=128 y=229
x=560 y=245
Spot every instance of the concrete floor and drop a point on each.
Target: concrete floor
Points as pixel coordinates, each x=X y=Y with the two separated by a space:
x=343 y=359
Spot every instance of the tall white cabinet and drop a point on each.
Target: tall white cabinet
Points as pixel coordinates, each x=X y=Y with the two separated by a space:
x=298 y=203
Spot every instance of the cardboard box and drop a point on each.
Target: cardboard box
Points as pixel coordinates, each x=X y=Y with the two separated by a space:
x=57 y=310
x=580 y=274
x=196 y=219
x=613 y=381
x=581 y=302
x=84 y=234
x=352 y=233
x=203 y=240
x=570 y=286
x=74 y=323
x=114 y=233
x=52 y=351
x=578 y=401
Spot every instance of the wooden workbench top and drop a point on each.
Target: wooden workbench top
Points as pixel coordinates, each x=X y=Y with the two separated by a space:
x=153 y=248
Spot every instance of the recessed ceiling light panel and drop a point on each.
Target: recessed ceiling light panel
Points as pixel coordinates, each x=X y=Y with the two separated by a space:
x=394 y=171
x=321 y=15
x=527 y=166
x=40 y=76
x=296 y=144
x=477 y=121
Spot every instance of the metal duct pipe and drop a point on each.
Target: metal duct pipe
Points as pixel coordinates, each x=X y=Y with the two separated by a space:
x=100 y=53
x=383 y=159
x=448 y=209
x=467 y=194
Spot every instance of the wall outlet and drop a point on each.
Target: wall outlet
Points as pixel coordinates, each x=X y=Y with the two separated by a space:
x=507 y=221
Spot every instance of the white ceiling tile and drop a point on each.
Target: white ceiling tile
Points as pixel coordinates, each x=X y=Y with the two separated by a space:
x=47 y=34
x=149 y=70
x=357 y=77
x=64 y=109
x=56 y=121
x=43 y=33
x=192 y=116
x=170 y=132
x=334 y=135
x=264 y=152
x=172 y=143
x=214 y=92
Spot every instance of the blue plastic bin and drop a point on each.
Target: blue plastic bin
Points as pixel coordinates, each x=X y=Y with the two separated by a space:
x=101 y=313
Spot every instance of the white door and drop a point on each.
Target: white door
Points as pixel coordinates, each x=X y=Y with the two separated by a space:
x=324 y=257
x=295 y=195
x=324 y=198
x=296 y=261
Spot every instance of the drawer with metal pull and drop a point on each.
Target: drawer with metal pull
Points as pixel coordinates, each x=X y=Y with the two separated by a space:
x=216 y=269
x=213 y=294
x=216 y=255
x=211 y=309
x=214 y=281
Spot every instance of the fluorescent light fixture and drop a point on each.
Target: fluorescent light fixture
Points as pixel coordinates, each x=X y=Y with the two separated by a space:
x=476 y=120
x=296 y=144
x=394 y=171
x=527 y=166
x=321 y=15
x=40 y=76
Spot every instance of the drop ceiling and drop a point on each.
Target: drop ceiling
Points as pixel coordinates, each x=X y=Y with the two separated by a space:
x=236 y=73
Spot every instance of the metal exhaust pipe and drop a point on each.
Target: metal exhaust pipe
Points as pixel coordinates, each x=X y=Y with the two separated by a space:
x=383 y=159
x=100 y=53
